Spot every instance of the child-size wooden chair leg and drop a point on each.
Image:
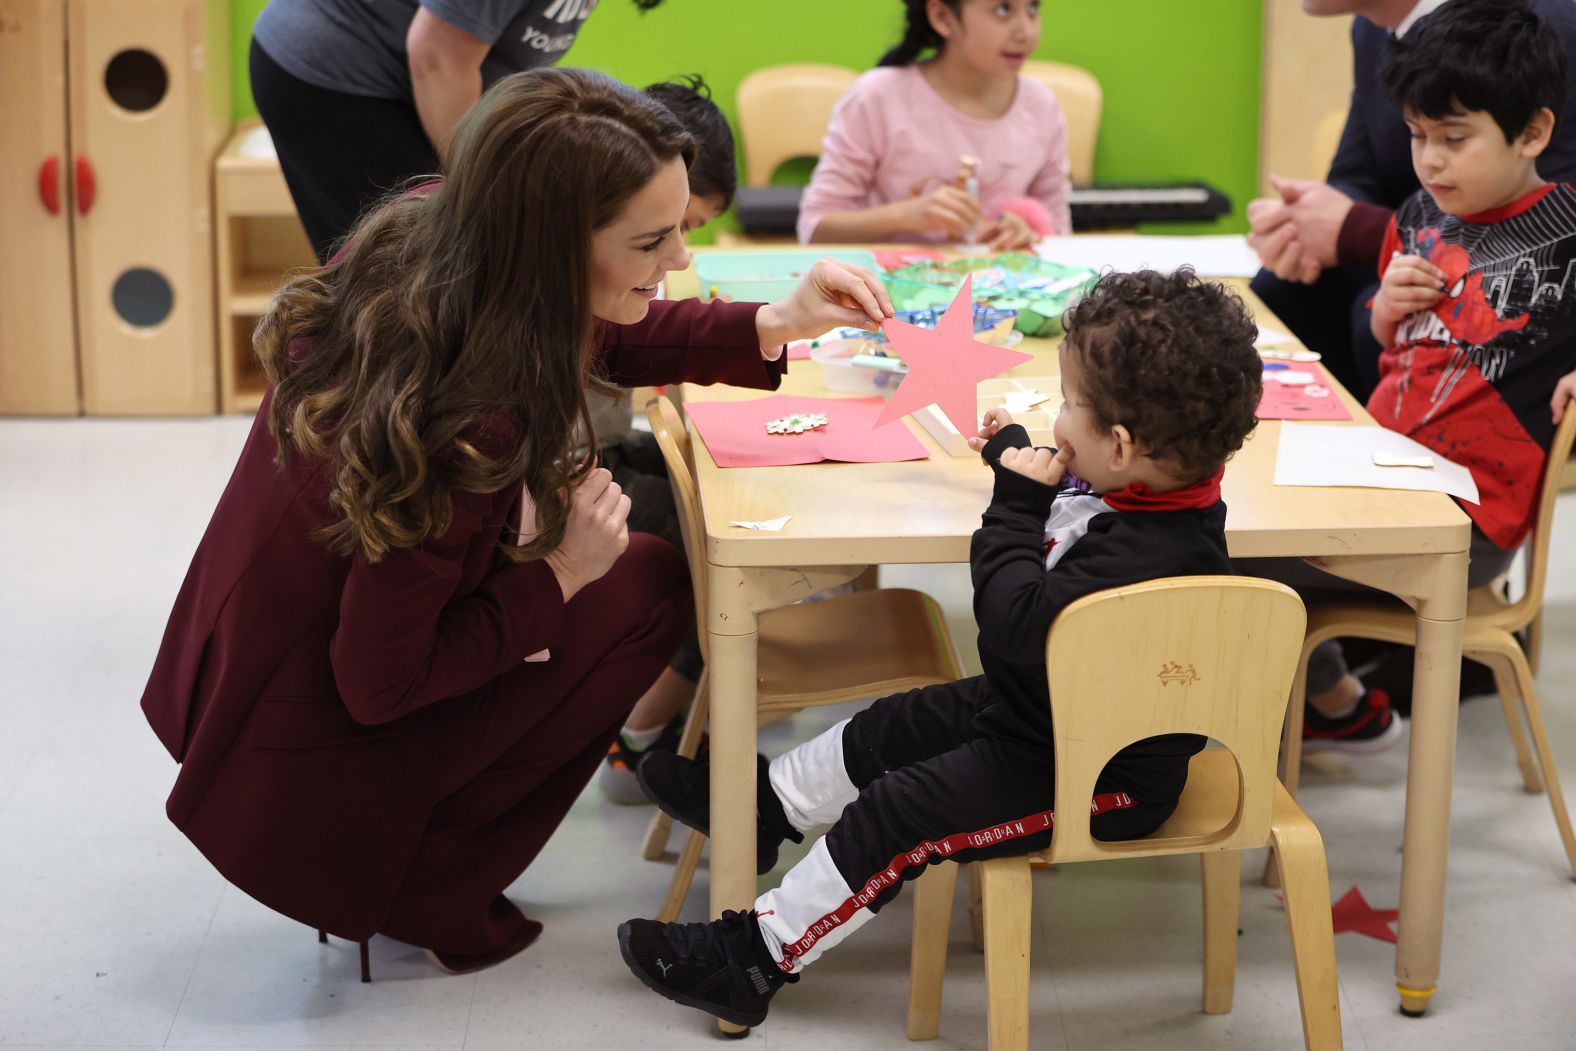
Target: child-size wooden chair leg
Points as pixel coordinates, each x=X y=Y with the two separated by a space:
x=1008 y=908
x=1291 y=744
x=661 y=826
x=1221 y=872
x=933 y=893
x=1540 y=743
x=683 y=876
x=1299 y=854
x=976 y=909
x=1505 y=685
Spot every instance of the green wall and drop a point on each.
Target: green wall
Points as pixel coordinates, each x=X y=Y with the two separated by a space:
x=1181 y=80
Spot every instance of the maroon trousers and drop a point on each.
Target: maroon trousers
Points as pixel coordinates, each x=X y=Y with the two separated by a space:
x=513 y=761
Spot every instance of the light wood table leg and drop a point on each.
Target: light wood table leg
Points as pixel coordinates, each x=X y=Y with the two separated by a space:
x=731 y=631
x=1434 y=585
x=1430 y=772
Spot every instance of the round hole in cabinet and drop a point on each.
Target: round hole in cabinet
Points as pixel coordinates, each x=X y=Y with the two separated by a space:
x=136 y=80
x=142 y=297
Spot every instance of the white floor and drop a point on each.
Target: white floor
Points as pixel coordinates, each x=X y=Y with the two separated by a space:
x=115 y=933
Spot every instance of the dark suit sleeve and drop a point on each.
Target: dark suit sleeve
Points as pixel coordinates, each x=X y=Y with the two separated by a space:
x=404 y=641
x=687 y=341
x=1355 y=169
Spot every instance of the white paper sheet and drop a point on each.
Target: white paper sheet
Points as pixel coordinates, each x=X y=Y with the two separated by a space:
x=1212 y=255
x=771 y=525
x=1322 y=454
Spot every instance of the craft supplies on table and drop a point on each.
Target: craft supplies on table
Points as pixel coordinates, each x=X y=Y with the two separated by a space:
x=855 y=360
x=735 y=432
x=1038 y=290
x=765 y=277
x=1325 y=455
x=1302 y=391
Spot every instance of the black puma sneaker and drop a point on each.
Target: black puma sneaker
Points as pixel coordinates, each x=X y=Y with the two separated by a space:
x=681 y=788
x=721 y=967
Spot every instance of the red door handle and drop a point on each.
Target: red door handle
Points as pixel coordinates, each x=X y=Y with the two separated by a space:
x=49 y=185
x=87 y=189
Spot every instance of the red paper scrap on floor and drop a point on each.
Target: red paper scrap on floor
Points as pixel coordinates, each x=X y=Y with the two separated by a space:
x=1353 y=913
x=1315 y=400
x=946 y=364
x=735 y=432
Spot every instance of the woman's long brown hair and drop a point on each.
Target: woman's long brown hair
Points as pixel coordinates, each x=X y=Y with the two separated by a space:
x=450 y=345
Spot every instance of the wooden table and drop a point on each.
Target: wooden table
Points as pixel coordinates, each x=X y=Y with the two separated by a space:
x=846 y=516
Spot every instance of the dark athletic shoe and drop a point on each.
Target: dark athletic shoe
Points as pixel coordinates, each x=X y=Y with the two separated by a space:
x=681 y=788
x=1372 y=728
x=720 y=967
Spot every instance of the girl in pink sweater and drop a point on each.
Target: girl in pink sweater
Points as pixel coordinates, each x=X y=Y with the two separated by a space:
x=958 y=147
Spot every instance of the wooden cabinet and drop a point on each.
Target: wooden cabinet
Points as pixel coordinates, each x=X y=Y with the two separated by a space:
x=38 y=350
x=259 y=241
x=144 y=88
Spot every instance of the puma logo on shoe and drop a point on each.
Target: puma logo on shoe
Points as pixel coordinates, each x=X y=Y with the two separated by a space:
x=759 y=979
x=666 y=967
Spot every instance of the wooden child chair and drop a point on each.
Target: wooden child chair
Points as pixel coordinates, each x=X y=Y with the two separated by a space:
x=1079 y=93
x=845 y=648
x=1492 y=624
x=1202 y=655
x=783 y=113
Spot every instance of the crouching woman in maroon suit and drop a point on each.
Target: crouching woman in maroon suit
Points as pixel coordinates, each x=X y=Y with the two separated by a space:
x=383 y=691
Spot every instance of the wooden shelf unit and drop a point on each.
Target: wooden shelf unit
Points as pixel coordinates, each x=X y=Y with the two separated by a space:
x=259 y=240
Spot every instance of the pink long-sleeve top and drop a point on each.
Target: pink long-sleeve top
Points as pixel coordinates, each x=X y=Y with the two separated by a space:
x=892 y=136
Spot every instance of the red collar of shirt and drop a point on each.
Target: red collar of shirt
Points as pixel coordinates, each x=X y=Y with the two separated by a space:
x=1139 y=497
x=1511 y=210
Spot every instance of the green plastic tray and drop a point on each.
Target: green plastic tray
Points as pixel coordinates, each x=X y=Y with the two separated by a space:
x=1039 y=290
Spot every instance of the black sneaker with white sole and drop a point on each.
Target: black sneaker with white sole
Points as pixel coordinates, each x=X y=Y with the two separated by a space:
x=1371 y=728
x=681 y=788
x=721 y=967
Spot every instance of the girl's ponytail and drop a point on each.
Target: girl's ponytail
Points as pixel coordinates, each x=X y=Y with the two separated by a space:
x=918 y=34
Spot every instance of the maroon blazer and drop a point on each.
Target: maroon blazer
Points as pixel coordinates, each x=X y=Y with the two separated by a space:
x=298 y=689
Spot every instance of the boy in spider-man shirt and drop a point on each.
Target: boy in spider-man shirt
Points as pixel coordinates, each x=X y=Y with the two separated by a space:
x=1477 y=305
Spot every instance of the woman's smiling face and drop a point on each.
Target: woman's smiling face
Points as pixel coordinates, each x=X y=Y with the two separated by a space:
x=644 y=241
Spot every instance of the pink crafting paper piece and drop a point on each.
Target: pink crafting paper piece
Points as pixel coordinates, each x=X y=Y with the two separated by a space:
x=1284 y=401
x=897 y=258
x=946 y=364
x=799 y=350
x=735 y=432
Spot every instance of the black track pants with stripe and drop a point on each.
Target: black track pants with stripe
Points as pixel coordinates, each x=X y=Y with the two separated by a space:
x=916 y=778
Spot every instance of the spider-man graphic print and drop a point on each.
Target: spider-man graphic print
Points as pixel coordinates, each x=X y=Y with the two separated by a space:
x=1471 y=377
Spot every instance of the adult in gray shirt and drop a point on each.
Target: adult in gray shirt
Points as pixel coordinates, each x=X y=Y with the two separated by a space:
x=359 y=95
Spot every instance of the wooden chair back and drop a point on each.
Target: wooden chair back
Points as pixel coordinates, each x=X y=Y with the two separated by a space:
x=674 y=441
x=783 y=114
x=1211 y=655
x=1526 y=609
x=1079 y=93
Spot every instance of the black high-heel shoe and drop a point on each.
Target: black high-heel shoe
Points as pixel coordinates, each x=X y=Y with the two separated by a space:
x=366 y=963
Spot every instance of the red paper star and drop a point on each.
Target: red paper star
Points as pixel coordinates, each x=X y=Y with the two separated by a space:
x=1353 y=913
x=946 y=364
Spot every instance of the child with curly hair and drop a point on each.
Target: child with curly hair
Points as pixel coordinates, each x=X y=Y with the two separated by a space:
x=1159 y=383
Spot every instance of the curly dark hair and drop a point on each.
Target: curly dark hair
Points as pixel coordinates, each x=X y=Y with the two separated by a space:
x=1170 y=358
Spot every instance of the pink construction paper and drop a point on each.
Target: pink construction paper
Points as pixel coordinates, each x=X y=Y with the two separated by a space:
x=897 y=258
x=1285 y=402
x=799 y=350
x=735 y=432
x=946 y=364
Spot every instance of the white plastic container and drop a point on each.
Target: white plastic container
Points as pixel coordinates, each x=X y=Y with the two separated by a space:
x=843 y=375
